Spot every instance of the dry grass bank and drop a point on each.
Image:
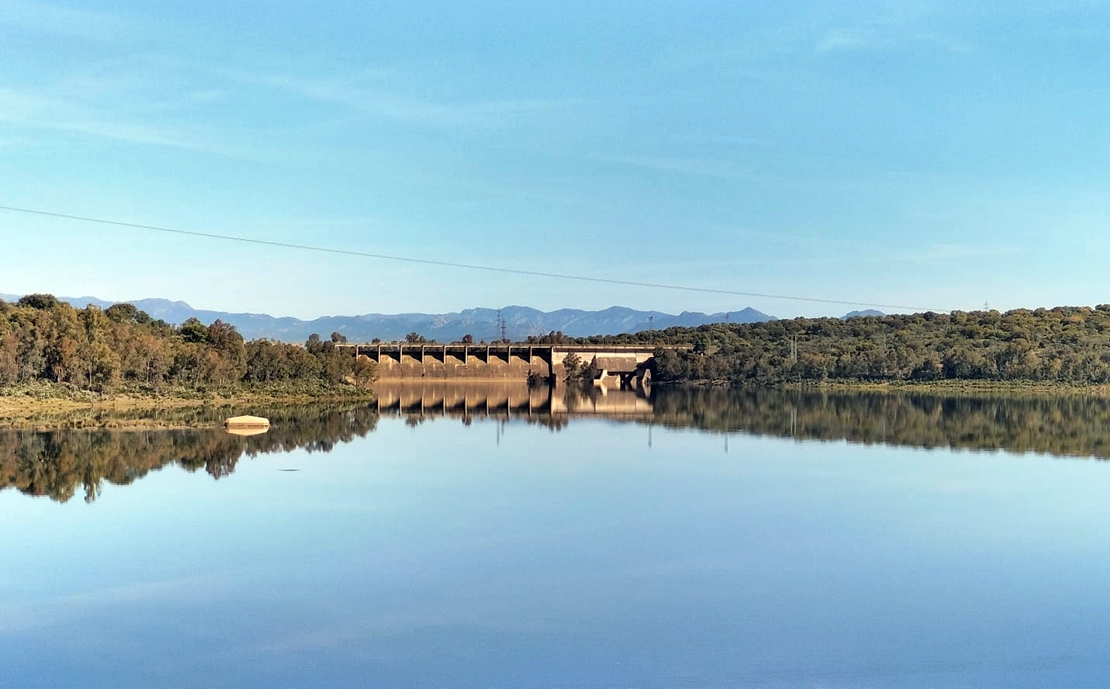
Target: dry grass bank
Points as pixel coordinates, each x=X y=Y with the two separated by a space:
x=48 y=406
x=956 y=387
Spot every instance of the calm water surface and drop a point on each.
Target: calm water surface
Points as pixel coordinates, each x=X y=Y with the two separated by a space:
x=624 y=543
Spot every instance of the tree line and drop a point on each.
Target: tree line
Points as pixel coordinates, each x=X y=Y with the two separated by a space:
x=1062 y=344
x=44 y=339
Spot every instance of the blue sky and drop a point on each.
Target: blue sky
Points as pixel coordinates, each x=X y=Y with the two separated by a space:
x=939 y=155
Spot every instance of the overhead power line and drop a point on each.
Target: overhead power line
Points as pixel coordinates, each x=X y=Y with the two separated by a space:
x=451 y=264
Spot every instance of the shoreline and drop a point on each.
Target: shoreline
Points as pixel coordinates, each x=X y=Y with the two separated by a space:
x=43 y=407
x=53 y=407
x=950 y=387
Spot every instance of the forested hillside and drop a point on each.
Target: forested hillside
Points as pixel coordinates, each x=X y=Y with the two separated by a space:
x=1063 y=344
x=43 y=339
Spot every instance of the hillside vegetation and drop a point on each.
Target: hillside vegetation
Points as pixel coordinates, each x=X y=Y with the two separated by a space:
x=123 y=348
x=1061 y=345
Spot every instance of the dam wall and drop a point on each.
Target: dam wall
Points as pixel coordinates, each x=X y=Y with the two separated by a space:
x=474 y=363
x=498 y=362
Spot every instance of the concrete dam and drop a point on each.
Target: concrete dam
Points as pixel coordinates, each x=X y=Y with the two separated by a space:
x=623 y=364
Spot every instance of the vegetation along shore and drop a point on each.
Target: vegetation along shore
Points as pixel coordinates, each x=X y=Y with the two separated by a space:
x=1060 y=348
x=55 y=357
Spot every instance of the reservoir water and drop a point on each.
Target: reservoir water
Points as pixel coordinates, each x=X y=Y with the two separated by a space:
x=533 y=540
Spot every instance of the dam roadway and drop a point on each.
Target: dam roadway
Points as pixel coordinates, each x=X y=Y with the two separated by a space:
x=628 y=363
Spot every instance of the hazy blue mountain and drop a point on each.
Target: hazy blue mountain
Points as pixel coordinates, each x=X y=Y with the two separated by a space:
x=520 y=321
x=865 y=312
x=75 y=302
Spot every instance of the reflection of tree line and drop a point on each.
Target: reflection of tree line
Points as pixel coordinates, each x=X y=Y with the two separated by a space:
x=1068 y=425
x=1058 y=425
x=56 y=463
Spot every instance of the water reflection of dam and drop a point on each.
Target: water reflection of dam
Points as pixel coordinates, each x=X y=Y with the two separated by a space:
x=506 y=399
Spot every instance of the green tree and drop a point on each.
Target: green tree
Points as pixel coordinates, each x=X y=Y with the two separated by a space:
x=41 y=302
x=194 y=331
x=122 y=313
x=363 y=371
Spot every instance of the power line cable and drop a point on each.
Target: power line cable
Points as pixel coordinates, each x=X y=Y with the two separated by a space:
x=451 y=264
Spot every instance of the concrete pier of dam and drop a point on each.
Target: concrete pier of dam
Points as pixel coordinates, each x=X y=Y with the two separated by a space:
x=627 y=364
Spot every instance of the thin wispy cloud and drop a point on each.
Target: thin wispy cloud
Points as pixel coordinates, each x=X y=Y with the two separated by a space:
x=891 y=26
x=34 y=111
x=964 y=252
x=387 y=104
x=735 y=140
x=805 y=241
x=717 y=169
x=116 y=82
x=52 y=19
x=480 y=185
x=841 y=39
x=696 y=270
x=871 y=252
x=206 y=96
x=755 y=259
x=740 y=59
x=865 y=39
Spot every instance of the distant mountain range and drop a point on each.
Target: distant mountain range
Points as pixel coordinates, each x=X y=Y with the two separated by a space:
x=482 y=324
